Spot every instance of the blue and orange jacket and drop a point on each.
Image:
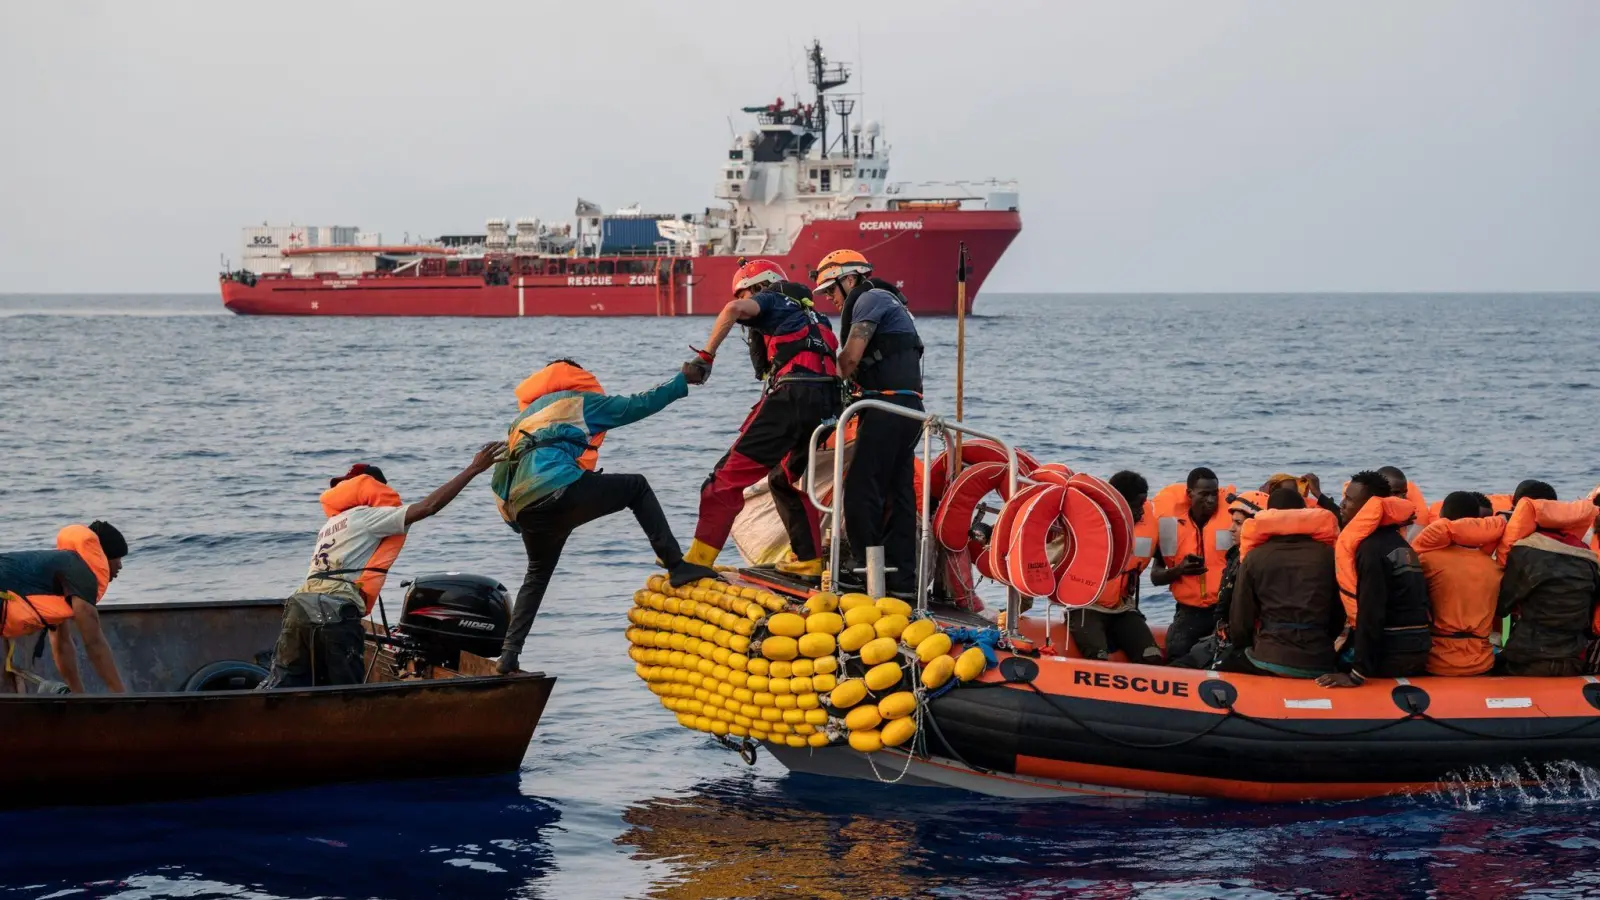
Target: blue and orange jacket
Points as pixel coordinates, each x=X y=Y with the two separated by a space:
x=556 y=438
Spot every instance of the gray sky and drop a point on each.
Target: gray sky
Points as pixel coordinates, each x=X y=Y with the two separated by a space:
x=1171 y=146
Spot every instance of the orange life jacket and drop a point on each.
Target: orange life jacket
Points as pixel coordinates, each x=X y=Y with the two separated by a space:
x=1145 y=535
x=1380 y=512
x=1200 y=539
x=1314 y=522
x=1571 y=518
x=24 y=615
x=364 y=490
x=1463 y=588
x=563 y=377
x=80 y=540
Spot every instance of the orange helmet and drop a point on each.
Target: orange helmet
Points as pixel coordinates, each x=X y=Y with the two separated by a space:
x=838 y=264
x=754 y=273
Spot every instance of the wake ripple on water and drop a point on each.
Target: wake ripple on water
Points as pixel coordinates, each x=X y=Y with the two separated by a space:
x=1528 y=784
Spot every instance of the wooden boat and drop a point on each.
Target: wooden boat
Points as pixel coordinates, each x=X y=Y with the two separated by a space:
x=191 y=727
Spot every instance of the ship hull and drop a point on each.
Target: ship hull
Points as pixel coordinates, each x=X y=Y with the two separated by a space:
x=917 y=251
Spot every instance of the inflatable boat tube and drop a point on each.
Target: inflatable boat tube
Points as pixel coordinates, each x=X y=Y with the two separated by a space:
x=1110 y=729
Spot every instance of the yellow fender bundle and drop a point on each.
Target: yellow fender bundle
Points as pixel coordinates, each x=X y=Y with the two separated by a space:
x=738 y=661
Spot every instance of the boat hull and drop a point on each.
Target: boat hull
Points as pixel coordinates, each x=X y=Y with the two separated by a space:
x=917 y=251
x=164 y=741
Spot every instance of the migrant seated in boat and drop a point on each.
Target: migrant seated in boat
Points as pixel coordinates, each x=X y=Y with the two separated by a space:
x=1190 y=563
x=1551 y=585
x=48 y=589
x=322 y=641
x=1456 y=551
x=1285 y=611
x=1381 y=583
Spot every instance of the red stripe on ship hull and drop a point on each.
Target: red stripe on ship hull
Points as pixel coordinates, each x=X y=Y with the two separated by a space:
x=917 y=251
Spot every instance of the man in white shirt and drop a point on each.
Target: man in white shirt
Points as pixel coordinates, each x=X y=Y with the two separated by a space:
x=322 y=640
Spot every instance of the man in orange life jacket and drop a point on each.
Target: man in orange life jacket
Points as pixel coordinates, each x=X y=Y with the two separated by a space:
x=1463 y=583
x=47 y=589
x=882 y=358
x=1113 y=622
x=1390 y=635
x=802 y=392
x=1191 y=564
x=322 y=639
x=1285 y=610
x=1551 y=584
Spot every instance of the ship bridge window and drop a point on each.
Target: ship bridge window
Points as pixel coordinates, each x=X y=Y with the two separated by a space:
x=825 y=179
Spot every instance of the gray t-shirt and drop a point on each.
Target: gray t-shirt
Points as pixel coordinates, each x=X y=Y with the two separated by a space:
x=887 y=314
x=48 y=572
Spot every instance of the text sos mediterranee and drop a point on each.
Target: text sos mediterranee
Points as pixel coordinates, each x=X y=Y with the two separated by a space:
x=605 y=280
x=1136 y=683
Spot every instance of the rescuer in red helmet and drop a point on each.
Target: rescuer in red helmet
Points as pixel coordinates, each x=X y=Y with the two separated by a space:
x=793 y=349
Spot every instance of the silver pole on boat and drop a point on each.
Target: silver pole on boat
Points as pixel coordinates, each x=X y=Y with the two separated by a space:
x=875 y=573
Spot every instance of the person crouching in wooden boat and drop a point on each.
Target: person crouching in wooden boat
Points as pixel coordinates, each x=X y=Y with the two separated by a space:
x=322 y=639
x=47 y=589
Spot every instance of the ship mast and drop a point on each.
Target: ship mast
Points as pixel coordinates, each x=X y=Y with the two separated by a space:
x=825 y=77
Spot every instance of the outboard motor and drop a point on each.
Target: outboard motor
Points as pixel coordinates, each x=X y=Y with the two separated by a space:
x=449 y=612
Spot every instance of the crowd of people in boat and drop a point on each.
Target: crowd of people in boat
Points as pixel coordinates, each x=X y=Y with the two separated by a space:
x=1285 y=581
x=1279 y=581
x=546 y=483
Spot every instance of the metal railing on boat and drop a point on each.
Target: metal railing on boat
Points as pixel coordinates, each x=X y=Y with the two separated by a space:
x=925 y=552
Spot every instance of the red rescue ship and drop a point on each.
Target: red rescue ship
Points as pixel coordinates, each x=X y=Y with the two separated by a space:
x=793 y=191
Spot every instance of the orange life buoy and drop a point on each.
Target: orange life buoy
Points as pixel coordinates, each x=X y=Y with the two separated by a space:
x=1029 y=568
x=1118 y=514
x=959 y=505
x=1000 y=537
x=1090 y=564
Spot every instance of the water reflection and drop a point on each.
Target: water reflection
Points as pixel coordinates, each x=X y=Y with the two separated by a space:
x=798 y=836
x=455 y=838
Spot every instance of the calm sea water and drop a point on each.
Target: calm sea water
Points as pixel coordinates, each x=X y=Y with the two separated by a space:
x=207 y=438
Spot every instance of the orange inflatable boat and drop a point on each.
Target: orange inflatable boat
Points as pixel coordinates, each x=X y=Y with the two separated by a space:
x=927 y=695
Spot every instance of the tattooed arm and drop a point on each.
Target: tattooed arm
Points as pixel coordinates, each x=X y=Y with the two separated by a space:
x=855 y=346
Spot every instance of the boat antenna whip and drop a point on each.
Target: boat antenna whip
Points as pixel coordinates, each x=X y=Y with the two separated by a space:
x=961 y=345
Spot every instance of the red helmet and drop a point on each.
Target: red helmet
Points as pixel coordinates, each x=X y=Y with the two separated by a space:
x=754 y=273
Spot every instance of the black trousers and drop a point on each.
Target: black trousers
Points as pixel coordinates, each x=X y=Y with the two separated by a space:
x=1190 y=625
x=880 y=498
x=1098 y=635
x=321 y=643
x=546 y=527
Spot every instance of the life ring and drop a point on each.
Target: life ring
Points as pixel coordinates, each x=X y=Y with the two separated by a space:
x=958 y=507
x=1034 y=573
x=226 y=675
x=1053 y=473
x=1061 y=540
x=1004 y=527
x=973 y=451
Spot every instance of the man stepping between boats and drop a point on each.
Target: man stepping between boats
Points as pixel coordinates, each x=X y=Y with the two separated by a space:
x=547 y=488
x=798 y=347
x=47 y=589
x=322 y=641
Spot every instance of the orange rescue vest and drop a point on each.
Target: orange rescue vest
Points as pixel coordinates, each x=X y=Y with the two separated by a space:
x=1200 y=539
x=1314 y=522
x=364 y=490
x=552 y=379
x=1380 y=512
x=1463 y=588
